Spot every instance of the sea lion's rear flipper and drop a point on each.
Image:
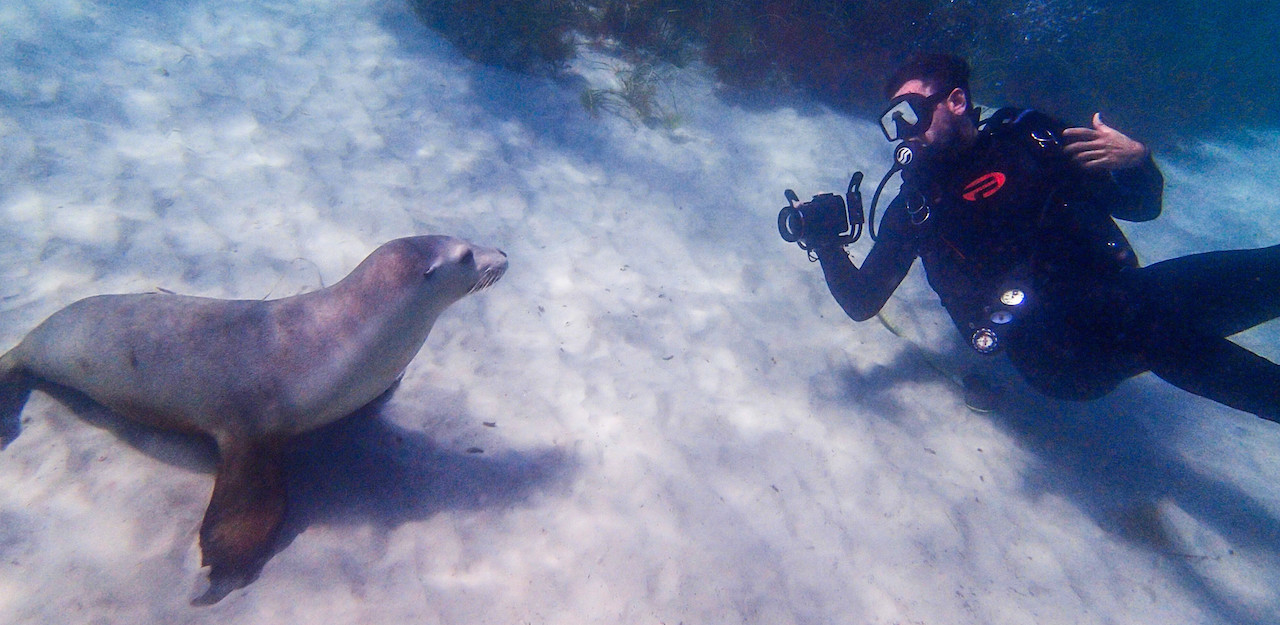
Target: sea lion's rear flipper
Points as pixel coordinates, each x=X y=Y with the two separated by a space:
x=244 y=515
x=15 y=387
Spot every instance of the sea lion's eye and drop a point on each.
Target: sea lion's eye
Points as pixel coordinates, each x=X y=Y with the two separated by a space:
x=469 y=258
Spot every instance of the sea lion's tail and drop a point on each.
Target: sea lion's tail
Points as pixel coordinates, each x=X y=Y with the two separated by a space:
x=15 y=387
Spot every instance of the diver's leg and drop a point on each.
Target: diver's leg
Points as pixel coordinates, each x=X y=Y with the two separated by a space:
x=1219 y=293
x=1220 y=370
x=1071 y=359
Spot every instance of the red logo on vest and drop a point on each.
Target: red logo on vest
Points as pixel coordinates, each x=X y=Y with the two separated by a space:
x=984 y=187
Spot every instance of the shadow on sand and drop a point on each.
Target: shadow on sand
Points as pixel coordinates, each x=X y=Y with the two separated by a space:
x=367 y=470
x=359 y=470
x=1117 y=459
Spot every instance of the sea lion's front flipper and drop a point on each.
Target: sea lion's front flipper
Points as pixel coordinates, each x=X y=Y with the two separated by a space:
x=244 y=515
x=15 y=387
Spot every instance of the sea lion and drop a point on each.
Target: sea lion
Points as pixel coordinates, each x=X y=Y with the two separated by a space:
x=250 y=374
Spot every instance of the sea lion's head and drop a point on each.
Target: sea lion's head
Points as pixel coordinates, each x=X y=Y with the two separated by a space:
x=453 y=265
x=443 y=268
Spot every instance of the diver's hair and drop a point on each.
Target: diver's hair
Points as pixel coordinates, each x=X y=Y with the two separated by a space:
x=938 y=71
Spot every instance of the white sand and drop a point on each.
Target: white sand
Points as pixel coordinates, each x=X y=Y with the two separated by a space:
x=688 y=430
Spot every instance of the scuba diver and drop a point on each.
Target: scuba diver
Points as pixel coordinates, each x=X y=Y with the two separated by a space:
x=1012 y=213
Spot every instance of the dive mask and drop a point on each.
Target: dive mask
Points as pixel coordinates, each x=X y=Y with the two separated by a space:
x=909 y=115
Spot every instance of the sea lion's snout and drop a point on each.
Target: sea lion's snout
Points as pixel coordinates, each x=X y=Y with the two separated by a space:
x=446 y=264
x=491 y=263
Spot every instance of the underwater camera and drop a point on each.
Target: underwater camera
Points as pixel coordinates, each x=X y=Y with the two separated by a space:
x=825 y=221
x=829 y=220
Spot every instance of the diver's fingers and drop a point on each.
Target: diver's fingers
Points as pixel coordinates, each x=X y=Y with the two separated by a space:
x=1085 y=146
x=1083 y=141
x=1077 y=134
x=1099 y=131
x=1094 y=159
x=1091 y=154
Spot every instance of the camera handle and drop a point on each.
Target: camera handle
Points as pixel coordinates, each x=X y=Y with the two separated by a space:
x=853 y=199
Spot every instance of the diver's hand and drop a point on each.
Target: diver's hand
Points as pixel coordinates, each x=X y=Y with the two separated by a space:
x=1102 y=147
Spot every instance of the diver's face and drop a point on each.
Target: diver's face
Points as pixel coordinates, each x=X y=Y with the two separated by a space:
x=947 y=128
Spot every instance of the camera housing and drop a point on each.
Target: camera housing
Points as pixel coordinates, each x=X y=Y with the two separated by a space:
x=825 y=221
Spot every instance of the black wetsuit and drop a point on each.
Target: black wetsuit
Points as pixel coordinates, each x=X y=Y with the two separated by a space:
x=1015 y=214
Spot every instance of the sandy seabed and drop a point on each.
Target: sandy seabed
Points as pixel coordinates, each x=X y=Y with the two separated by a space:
x=676 y=423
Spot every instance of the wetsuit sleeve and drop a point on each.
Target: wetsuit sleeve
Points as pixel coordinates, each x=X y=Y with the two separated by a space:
x=861 y=292
x=1139 y=192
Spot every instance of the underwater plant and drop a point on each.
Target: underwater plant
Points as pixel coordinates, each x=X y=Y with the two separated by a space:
x=638 y=98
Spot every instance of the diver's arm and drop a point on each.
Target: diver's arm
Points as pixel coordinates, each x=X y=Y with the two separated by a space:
x=1132 y=193
x=861 y=292
x=1140 y=191
x=1129 y=179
